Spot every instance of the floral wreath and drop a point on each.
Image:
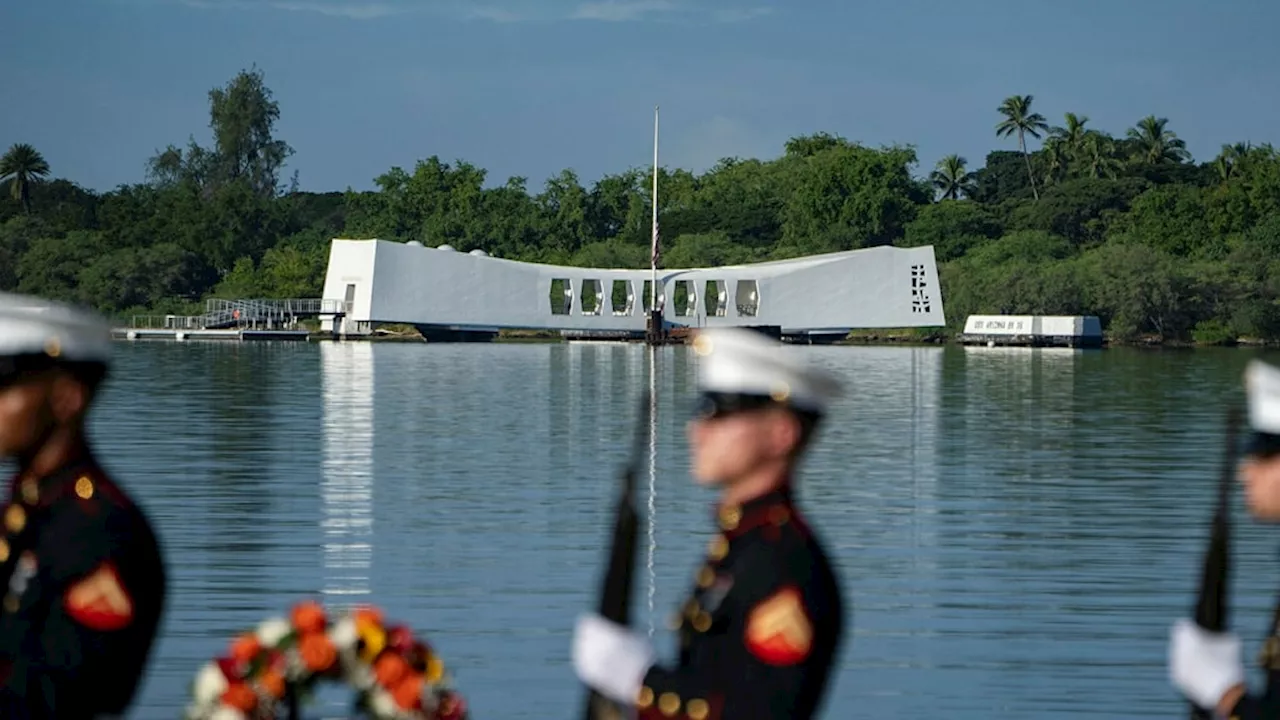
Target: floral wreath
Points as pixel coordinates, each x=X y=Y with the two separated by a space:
x=395 y=676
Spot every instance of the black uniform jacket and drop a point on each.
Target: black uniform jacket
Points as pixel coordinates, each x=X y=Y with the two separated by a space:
x=1265 y=705
x=761 y=631
x=82 y=587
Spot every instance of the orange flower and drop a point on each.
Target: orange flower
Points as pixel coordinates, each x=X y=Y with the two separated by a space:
x=273 y=683
x=317 y=652
x=367 y=615
x=309 y=617
x=389 y=669
x=241 y=697
x=408 y=692
x=245 y=648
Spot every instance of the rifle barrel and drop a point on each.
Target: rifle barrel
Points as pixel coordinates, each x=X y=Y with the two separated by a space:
x=1211 y=609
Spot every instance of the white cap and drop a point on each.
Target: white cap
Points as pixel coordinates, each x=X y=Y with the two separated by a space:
x=735 y=360
x=30 y=326
x=1262 y=385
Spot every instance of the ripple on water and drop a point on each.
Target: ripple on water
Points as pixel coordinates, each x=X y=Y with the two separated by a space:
x=1015 y=530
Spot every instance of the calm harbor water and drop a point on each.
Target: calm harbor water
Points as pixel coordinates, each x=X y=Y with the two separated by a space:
x=1015 y=529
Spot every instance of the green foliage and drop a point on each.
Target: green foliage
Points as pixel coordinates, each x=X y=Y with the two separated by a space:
x=1124 y=226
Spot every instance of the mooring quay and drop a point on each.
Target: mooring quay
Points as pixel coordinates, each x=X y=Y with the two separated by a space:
x=241 y=320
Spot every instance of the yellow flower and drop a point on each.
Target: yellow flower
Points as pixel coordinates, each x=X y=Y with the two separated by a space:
x=435 y=669
x=374 y=637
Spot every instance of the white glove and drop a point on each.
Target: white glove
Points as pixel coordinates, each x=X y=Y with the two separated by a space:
x=610 y=658
x=1202 y=664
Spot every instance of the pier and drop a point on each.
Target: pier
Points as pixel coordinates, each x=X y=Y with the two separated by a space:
x=240 y=320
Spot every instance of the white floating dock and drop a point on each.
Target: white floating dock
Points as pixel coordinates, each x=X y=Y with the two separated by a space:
x=180 y=335
x=1083 y=331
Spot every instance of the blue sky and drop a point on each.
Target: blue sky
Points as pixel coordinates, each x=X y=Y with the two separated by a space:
x=529 y=87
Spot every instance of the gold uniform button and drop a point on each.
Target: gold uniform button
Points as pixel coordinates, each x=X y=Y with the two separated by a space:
x=11 y=603
x=4 y=550
x=719 y=548
x=730 y=517
x=15 y=518
x=84 y=487
x=706 y=576
x=30 y=491
x=702 y=622
x=669 y=704
x=697 y=709
x=645 y=698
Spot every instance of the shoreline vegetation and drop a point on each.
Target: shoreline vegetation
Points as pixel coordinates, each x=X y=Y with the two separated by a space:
x=1128 y=227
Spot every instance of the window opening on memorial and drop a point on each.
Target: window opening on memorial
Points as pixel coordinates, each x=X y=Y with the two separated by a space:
x=716 y=298
x=591 y=296
x=747 y=297
x=561 y=296
x=623 y=297
x=685 y=298
x=919 y=290
x=662 y=295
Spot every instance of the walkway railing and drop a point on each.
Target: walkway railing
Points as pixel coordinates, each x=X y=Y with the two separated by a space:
x=241 y=314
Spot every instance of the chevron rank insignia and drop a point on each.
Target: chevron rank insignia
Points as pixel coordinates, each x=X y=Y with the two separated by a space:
x=99 y=601
x=778 y=629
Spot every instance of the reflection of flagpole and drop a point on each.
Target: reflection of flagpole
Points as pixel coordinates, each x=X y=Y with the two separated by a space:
x=346 y=470
x=653 y=470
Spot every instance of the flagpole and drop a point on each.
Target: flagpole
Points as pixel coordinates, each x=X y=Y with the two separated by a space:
x=653 y=257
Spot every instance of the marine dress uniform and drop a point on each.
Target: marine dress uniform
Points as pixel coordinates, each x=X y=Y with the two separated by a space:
x=1205 y=665
x=81 y=573
x=760 y=630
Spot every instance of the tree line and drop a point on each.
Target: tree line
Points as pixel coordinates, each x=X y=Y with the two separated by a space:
x=1126 y=227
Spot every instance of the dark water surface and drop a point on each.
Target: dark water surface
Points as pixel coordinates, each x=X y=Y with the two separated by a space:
x=1015 y=529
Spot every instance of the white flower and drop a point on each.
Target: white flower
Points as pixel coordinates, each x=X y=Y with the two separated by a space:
x=272 y=631
x=360 y=676
x=210 y=684
x=382 y=704
x=227 y=713
x=344 y=635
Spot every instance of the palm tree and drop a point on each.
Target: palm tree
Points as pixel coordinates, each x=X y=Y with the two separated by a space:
x=22 y=165
x=951 y=179
x=1072 y=134
x=1059 y=158
x=1019 y=119
x=1228 y=161
x=1154 y=144
x=1098 y=155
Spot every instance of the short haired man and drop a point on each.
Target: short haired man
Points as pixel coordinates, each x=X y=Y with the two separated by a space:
x=761 y=629
x=81 y=573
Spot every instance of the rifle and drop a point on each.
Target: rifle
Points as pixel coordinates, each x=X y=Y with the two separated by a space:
x=615 y=594
x=1211 y=605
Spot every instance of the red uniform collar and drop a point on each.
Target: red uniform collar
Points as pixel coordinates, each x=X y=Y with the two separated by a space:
x=82 y=478
x=775 y=507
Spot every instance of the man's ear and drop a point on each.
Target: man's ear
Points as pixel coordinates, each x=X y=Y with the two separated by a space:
x=785 y=433
x=68 y=397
